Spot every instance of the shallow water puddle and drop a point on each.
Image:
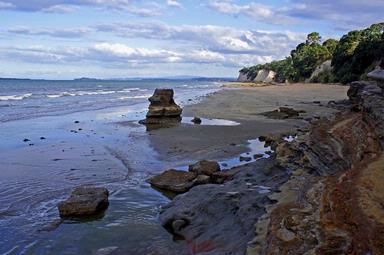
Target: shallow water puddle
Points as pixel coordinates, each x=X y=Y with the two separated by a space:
x=257 y=150
x=210 y=122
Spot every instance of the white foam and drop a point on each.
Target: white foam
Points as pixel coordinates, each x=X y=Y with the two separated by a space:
x=15 y=97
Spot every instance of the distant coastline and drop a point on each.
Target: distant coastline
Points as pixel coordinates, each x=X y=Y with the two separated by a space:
x=86 y=79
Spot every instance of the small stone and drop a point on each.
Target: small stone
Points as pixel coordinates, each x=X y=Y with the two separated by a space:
x=196 y=120
x=177 y=225
x=285 y=235
x=257 y=156
x=246 y=159
x=26 y=140
x=106 y=250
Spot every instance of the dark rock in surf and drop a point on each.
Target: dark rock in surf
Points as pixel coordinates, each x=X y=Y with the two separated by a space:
x=205 y=167
x=84 y=201
x=196 y=120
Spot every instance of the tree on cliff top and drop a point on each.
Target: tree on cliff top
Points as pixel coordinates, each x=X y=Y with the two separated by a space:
x=307 y=56
x=357 y=51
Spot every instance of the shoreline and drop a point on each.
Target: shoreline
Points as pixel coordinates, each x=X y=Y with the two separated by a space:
x=311 y=188
x=133 y=155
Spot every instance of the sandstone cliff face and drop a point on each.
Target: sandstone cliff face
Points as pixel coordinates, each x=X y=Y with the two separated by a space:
x=337 y=210
x=325 y=67
x=265 y=76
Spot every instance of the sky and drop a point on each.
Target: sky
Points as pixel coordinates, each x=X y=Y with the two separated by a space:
x=65 y=39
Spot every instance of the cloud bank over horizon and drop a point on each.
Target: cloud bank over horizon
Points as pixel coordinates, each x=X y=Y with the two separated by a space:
x=61 y=39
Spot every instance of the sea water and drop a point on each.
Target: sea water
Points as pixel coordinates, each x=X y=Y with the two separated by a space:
x=72 y=137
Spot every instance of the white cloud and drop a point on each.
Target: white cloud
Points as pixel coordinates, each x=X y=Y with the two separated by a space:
x=255 y=10
x=174 y=3
x=220 y=39
x=63 y=6
x=338 y=13
x=6 y=5
x=114 y=54
x=60 y=33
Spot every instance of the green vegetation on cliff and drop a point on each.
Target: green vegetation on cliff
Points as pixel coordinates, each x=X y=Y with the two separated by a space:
x=352 y=57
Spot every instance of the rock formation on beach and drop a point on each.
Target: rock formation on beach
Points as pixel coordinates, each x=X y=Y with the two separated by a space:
x=162 y=108
x=84 y=201
x=177 y=181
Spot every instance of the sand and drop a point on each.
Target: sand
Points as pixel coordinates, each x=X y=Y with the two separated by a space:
x=186 y=143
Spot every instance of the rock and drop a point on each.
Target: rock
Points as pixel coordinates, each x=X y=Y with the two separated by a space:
x=222 y=176
x=162 y=108
x=163 y=104
x=204 y=167
x=42 y=138
x=247 y=159
x=107 y=250
x=257 y=156
x=202 y=179
x=283 y=113
x=219 y=219
x=285 y=235
x=26 y=140
x=174 y=180
x=325 y=67
x=84 y=201
x=196 y=120
x=378 y=75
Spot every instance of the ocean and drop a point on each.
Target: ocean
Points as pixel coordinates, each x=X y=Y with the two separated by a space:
x=57 y=135
x=21 y=99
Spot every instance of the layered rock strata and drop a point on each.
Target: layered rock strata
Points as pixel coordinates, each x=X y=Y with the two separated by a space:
x=162 y=108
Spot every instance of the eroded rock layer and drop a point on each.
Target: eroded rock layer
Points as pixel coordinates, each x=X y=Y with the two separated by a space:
x=321 y=193
x=339 y=209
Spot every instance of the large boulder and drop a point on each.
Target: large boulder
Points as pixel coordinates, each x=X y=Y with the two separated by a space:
x=378 y=76
x=205 y=167
x=84 y=201
x=162 y=108
x=174 y=180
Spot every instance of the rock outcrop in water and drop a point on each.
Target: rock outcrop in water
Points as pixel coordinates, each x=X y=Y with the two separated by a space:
x=178 y=181
x=84 y=201
x=162 y=108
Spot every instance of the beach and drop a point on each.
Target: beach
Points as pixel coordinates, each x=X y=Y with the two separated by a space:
x=107 y=147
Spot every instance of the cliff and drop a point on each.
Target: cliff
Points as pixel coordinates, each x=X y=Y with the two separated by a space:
x=262 y=76
x=321 y=193
x=332 y=203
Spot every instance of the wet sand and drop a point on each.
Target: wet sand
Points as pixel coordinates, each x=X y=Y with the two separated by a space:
x=186 y=143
